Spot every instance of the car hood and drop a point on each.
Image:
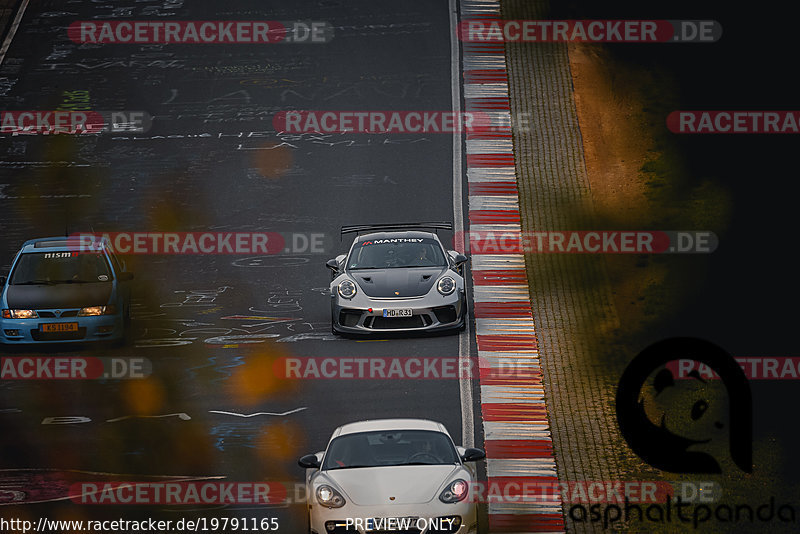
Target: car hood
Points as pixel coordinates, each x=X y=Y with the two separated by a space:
x=399 y=282
x=408 y=484
x=58 y=296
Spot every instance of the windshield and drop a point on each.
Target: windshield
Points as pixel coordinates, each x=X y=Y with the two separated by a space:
x=60 y=268
x=393 y=253
x=386 y=448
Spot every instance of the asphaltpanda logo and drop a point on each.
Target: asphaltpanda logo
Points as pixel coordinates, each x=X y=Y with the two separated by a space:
x=686 y=424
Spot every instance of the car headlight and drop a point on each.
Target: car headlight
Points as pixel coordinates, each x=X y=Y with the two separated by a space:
x=348 y=289
x=91 y=311
x=456 y=491
x=20 y=314
x=329 y=497
x=446 y=285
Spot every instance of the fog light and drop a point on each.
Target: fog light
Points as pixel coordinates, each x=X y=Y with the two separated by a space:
x=105 y=329
x=11 y=333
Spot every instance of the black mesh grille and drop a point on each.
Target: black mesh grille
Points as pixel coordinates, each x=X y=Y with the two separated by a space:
x=414 y=321
x=49 y=314
x=349 y=317
x=445 y=314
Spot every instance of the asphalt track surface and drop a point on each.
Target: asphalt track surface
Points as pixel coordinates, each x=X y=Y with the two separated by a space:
x=213 y=325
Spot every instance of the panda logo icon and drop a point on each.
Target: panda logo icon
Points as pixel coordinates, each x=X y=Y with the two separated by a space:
x=672 y=423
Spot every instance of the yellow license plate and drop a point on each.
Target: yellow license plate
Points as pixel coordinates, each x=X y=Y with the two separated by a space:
x=58 y=327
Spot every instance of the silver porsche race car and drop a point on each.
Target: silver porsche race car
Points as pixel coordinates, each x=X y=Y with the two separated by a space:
x=397 y=277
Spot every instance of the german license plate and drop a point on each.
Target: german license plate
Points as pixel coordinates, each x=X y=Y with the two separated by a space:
x=58 y=327
x=398 y=312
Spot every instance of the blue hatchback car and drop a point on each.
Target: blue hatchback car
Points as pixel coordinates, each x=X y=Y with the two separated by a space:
x=65 y=290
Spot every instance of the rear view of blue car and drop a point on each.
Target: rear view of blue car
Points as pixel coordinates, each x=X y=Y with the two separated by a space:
x=62 y=290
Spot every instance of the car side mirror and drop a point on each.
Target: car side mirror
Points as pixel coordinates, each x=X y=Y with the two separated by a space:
x=460 y=260
x=473 y=455
x=125 y=277
x=333 y=265
x=309 y=461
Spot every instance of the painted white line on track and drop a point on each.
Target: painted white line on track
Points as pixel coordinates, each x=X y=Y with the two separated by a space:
x=464 y=384
x=282 y=414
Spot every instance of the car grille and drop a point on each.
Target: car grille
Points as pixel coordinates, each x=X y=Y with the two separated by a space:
x=49 y=314
x=445 y=528
x=415 y=321
x=351 y=530
x=445 y=314
x=57 y=336
x=349 y=317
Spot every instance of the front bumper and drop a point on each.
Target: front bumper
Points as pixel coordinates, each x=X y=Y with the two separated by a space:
x=28 y=331
x=364 y=315
x=428 y=517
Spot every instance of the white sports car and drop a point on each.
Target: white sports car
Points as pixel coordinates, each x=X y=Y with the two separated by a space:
x=391 y=475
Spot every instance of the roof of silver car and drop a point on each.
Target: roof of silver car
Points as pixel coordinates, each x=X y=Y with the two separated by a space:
x=374 y=425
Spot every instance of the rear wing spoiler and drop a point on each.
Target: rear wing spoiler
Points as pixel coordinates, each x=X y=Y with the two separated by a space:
x=358 y=228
